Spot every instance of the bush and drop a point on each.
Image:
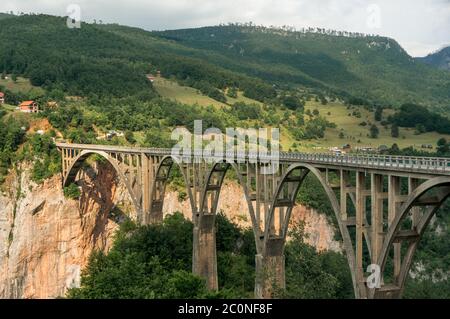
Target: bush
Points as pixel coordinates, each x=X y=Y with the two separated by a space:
x=374 y=131
x=72 y=191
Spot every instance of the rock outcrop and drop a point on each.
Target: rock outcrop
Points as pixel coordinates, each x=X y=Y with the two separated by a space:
x=46 y=239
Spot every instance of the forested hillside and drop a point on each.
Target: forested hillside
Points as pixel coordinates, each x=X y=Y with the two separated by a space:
x=95 y=60
x=371 y=67
x=113 y=59
x=440 y=59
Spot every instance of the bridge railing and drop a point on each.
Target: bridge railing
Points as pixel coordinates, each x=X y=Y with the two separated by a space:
x=430 y=164
x=437 y=164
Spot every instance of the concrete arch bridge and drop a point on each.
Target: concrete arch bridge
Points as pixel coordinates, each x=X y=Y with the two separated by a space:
x=382 y=204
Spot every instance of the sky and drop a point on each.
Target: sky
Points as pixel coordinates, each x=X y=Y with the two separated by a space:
x=420 y=26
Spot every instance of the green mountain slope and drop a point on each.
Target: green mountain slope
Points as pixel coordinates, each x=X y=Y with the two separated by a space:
x=375 y=68
x=112 y=60
x=106 y=60
x=440 y=59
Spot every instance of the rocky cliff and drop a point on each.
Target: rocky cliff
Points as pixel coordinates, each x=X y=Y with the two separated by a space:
x=46 y=239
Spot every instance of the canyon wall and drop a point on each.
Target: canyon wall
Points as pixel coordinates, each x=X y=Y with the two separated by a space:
x=46 y=239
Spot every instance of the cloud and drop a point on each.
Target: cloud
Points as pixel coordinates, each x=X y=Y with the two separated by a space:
x=420 y=26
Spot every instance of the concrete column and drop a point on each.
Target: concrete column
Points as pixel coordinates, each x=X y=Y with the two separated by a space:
x=377 y=216
x=145 y=175
x=360 y=208
x=393 y=208
x=270 y=270
x=204 y=260
x=155 y=217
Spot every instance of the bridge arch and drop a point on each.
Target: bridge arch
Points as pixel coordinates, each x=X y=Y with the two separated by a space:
x=159 y=185
x=419 y=197
x=204 y=254
x=213 y=184
x=290 y=185
x=78 y=161
x=271 y=249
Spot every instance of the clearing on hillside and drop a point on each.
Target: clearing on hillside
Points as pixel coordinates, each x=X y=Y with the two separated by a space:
x=188 y=95
x=21 y=85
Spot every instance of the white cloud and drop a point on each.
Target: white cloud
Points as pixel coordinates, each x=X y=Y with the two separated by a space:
x=420 y=26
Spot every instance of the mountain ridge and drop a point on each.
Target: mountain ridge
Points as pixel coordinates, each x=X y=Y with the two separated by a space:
x=439 y=59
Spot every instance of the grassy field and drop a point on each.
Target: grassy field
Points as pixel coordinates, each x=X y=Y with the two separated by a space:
x=188 y=95
x=20 y=85
x=183 y=94
x=357 y=135
x=8 y=108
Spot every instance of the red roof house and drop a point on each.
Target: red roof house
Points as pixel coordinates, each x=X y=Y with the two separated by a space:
x=2 y=97
x=29 y=107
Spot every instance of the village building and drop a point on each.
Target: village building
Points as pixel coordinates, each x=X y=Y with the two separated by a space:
x=151 y=77
x=29 y=107
x=2 y=98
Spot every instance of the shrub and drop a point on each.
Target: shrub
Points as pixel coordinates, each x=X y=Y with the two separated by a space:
x=72 y=191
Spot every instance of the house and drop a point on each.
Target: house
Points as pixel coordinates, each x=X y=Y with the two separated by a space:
x=151 y=77
x=29 y=107
x=2 y=98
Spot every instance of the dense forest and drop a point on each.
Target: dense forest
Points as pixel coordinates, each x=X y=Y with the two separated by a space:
x=155 y=262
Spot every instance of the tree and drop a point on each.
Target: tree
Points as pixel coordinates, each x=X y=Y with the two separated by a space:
x=374 y=131
x=341 y=135
x=129 y=136
x=232 y=92
x=292 y=102
x=72 y=191
x=395 y=132
x=378 y=114
x=420 y=128
x=395 y=149
x=442 y=146
x=3 y=75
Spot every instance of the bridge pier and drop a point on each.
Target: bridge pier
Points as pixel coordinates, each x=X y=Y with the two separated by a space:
x=204 y=256
x=270 y=270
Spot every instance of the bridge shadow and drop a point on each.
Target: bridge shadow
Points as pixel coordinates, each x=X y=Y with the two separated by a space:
x=101 y=190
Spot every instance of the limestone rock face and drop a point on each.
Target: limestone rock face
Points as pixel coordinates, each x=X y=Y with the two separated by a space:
x=46 y=239
x=318 y=230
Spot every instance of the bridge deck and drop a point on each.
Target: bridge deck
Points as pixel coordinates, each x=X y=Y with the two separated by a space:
x=405 y=164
